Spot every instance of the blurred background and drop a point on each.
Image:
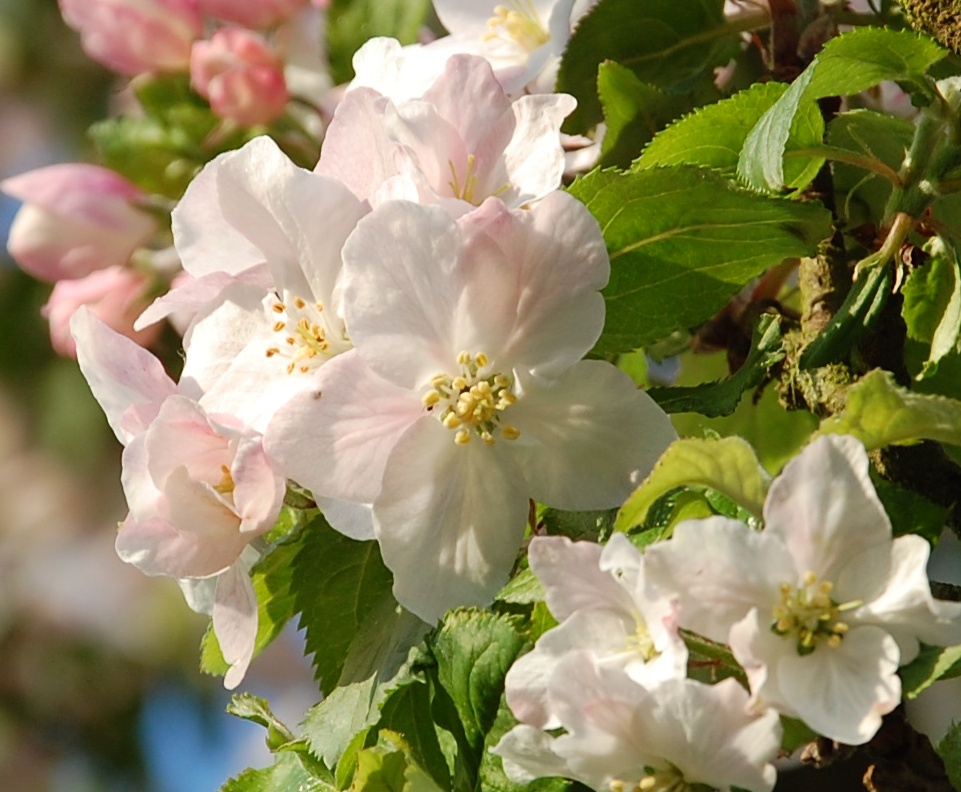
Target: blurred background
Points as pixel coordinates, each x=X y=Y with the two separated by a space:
x=99 y=687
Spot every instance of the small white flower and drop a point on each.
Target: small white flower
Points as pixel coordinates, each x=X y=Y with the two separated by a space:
x=823 y=605
x=621 y=736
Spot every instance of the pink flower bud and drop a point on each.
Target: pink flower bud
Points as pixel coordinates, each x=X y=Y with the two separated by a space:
x=241 y=77
x=136 y=36
x=76 y=218
x=256 y=14
x=117 y=296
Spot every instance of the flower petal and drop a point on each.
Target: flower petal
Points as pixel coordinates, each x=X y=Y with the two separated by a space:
x=449 y=520
x=235 y=621
x=336 y=438
x=824 y=506
x=588 y=437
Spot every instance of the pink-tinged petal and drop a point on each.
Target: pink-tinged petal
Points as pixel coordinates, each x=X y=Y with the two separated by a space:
x=195 y=295
x=588 y=437
x=449 y=520
x=403 y=309
x=842 y=693
x=892 y=582
x=353 y=520
x=560 y=262
x=824 y=506
x=126 y=379
x=396 y=72
x=719 y=569
x=206 y=241
x=276 y=205
x=156 y=548
x=336 y=438
x=181 y=435
x=258 y=488
x=235 y=621
x=572 y=578
x=356 y=149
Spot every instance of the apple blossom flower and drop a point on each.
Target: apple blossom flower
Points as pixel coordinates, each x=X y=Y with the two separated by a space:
x=441 y=149
x=136 y=36
x=241 y=77
x=622 y=736
x=262 y=240
x=75 y=219
x=823 y=605
x=522 y=39
x=599 y=596
x=255 y=14
x=198 y=485
x=465 y=395
x=117 y=296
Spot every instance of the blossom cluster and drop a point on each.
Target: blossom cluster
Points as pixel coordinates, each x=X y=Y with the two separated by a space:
x=400 y=331
x=820 y=608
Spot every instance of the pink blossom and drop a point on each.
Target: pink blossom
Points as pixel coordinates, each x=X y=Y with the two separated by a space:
x=136 y=36
x=76 y=218
x=116 y=295
x=256 y=14
x=241 y=77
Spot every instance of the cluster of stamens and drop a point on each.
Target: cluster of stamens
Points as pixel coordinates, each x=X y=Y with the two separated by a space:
x=640 y=641
x=304 y=332
x=226 y=484
x=466 y=191
x=667 y=779
x=809 y=614
x=518 y=22
x=470 y=404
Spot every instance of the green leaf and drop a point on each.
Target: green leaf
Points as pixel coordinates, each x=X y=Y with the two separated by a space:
x=343 y=593
x=848 y=64
x=352 y=22
x=667 y=511
x=682 y=240
x=634 y=111
x=931 y=664
x=932 y=304
x=522 y=589
x=670 y=45
x=949 y=749
x=909 y=512
x=858 y=313
x=407 y=712
x=728 y=465
x=474 y=650
x=713 y=136
x=288 y=773
x=590 y=526
x=255 y=709
x=879 y=412
x=348 y=710
x=876 y=137
x=721 y=398
x=271 y=577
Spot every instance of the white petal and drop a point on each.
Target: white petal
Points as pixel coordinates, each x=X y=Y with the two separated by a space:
x=588 y=437
x=335 y=439
x=893 y=583
x=449 y=520
x=719 y=569
x=824 y=506
x=235 y=621
x=527 y=754
x=842 y=693
x=572 y=577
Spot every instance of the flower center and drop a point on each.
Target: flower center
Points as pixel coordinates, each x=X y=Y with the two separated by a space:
x=466 y=191
x=518 y=22
x=306 y=337
x=666 y=779
x=640 y=642
x=809 y=615
x=470 y=403
x=226 y=484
